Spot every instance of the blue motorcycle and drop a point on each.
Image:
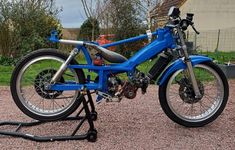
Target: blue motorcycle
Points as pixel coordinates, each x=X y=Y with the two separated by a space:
x=193 y=91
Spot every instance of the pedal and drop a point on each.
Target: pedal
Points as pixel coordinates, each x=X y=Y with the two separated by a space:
x=102 y=95
x=107 y=97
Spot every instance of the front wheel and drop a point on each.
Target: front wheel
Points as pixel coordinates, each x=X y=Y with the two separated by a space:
x=178 y=100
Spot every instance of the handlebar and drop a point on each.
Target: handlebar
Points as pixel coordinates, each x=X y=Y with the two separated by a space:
x=185 y=23
x=176 y=22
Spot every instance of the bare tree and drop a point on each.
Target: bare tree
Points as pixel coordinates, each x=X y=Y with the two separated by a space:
x=93 y=10
x=147 y=6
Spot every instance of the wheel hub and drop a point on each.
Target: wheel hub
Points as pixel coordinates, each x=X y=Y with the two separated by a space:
x=186 y=91
x=42 y=81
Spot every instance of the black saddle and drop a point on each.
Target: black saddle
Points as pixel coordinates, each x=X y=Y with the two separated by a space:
x=111 y=56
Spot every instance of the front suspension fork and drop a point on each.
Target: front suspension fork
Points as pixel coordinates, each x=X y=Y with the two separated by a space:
x=189 y=65
x=64 y=66
x=193 y=78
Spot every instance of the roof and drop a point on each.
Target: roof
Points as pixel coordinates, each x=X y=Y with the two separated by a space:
x=161 y=9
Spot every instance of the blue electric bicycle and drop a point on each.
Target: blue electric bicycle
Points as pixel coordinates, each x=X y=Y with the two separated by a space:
x=48 y=84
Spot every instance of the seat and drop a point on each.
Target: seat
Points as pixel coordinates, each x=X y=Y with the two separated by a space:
x=111 y=56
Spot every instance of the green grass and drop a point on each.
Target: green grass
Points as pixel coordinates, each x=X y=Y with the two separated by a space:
x=5 y=74
x=6 y=71
x=221 y=57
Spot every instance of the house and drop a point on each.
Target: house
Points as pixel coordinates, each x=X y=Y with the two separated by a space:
x=215 y=19
x=159 y=12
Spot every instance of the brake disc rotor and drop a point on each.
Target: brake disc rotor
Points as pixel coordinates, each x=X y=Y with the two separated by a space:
x=43 y=79
x=186 y=91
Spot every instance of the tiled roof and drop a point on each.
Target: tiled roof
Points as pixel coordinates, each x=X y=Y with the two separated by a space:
x=161 y=9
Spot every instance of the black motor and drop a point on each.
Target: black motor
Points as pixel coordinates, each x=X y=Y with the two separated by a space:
x=164 y=59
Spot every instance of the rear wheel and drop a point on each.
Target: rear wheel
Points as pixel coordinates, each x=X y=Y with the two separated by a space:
x=178 y=100
x=28 y=86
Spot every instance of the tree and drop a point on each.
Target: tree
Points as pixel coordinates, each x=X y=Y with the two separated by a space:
x=89 y=30
x=25 y=25
x=123 y=19
x=92 y=9
x=147 y=6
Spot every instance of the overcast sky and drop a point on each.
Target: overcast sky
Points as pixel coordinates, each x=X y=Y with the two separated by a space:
x=72 y=15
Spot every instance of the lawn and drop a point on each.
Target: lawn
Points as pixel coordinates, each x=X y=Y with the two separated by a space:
x=6 y=72
x=221 y=57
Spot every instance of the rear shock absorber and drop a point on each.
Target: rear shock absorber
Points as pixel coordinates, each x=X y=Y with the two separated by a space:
x=164 y=59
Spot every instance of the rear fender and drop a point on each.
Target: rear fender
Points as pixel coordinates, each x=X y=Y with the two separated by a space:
x=179 y=64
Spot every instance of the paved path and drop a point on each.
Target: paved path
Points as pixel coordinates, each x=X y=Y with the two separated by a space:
x=131 y=124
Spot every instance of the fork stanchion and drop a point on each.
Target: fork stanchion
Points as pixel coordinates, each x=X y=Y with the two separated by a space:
x=90 y=135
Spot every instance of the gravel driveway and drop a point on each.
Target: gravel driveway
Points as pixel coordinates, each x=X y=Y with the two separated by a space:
x=131 y=124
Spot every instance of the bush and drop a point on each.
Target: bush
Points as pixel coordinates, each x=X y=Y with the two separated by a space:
x=25 y=26
x=7 y=61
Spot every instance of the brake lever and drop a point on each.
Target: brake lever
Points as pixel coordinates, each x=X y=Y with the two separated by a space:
x=195 y=29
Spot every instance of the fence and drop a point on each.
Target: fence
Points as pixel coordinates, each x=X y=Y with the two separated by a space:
x=215 y=40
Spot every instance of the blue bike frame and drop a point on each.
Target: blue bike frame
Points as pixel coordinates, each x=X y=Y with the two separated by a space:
x=164 y=40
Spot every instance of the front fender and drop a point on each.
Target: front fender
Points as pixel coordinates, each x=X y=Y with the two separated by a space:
x=179 y=64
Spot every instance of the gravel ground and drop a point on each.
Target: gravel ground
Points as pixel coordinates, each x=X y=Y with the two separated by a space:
x=131 y=124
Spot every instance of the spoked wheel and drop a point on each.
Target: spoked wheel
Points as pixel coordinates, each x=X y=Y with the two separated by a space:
x=178 y=100
x=29 y=81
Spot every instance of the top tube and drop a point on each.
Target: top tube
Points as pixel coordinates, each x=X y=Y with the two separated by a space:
x=54 y=38
x=133 y=39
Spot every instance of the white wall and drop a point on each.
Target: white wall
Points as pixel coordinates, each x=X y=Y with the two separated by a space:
x=209 y=17
x=211 y=14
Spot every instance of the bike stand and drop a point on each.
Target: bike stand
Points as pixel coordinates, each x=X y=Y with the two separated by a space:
x=90 y=116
